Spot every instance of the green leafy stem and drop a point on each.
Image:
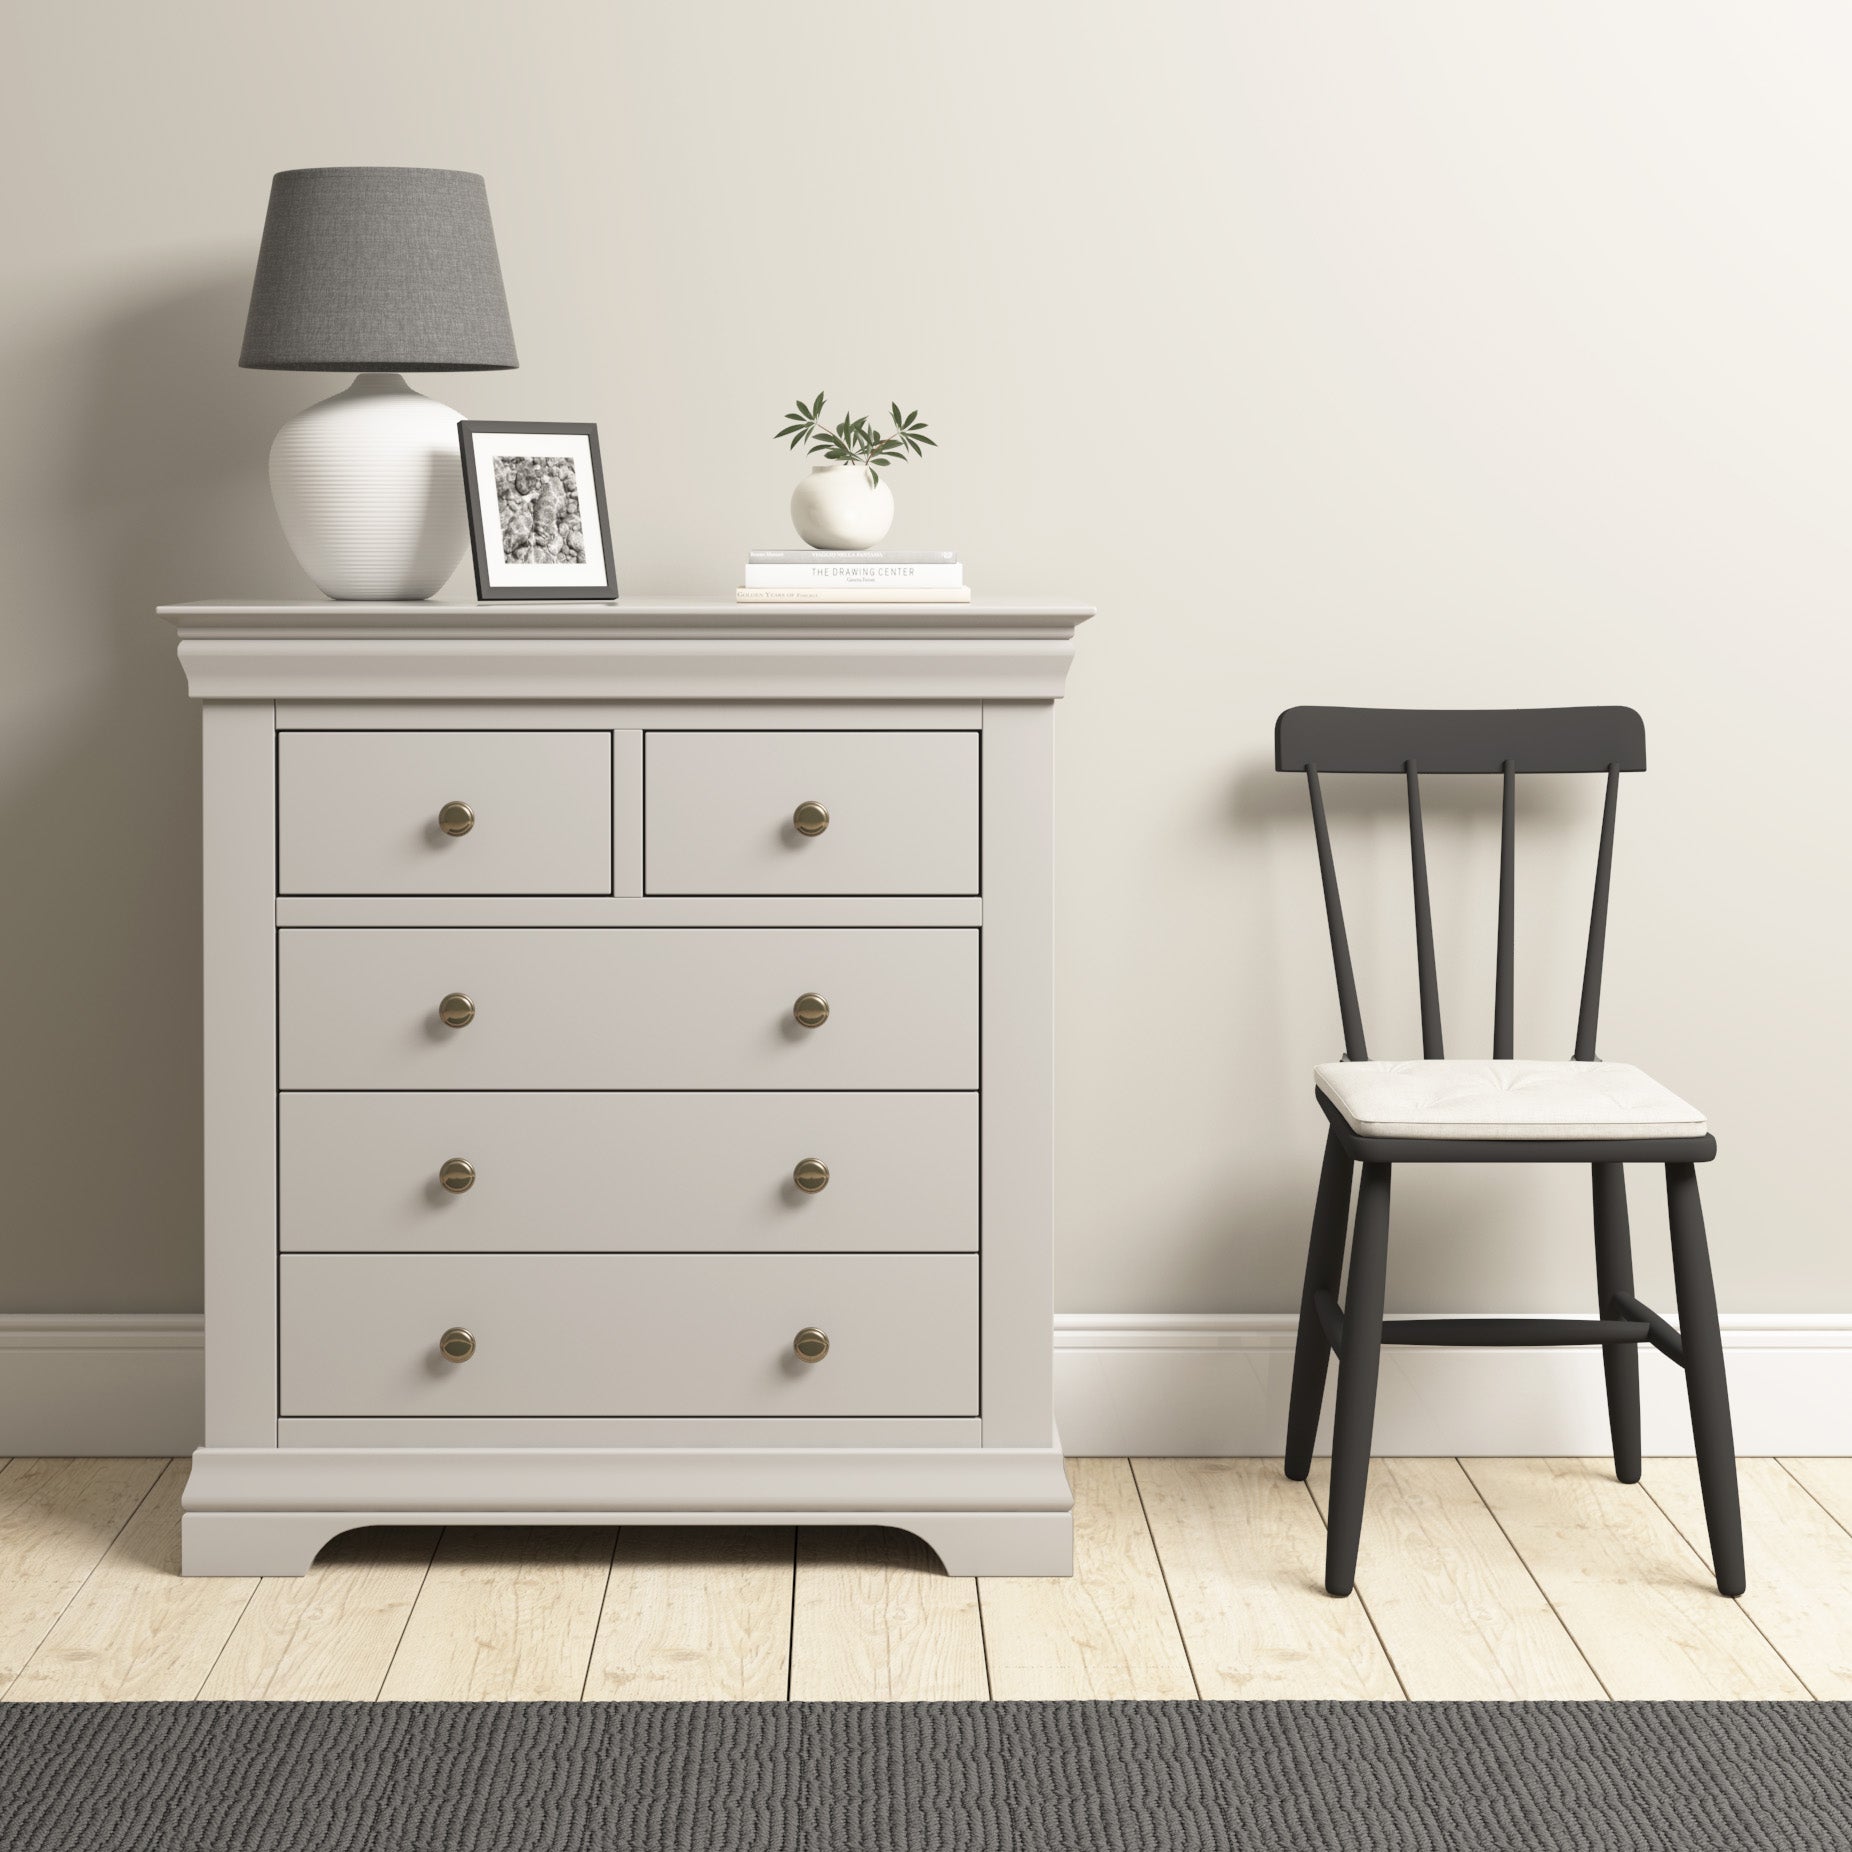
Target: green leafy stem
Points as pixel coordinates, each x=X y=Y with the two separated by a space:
x=855 y=440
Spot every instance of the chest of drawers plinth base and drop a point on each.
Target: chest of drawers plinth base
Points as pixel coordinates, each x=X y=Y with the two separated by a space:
x=983 y=1510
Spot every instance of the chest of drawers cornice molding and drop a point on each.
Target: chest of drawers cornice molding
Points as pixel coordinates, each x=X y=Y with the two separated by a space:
x=628 y=1071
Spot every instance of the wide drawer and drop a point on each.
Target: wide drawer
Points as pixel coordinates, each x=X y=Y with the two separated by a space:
x=628 y=1334
x=887 y=813
x=600 y=1007
x=444 y=813
x=611 y=1172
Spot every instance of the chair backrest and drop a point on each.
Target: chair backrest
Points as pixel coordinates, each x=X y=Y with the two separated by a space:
x=1410 y=741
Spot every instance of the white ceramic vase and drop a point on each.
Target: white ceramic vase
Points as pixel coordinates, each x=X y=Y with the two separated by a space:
x=369 y=488
x=834 y=507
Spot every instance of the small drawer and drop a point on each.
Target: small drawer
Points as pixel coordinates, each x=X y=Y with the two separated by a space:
x=811 y=813
x=446 y=813
x=614 y=1172
x=627 y=1334
x=647 y=1007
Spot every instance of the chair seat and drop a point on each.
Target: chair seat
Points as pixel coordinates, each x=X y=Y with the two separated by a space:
x=1505 y=1099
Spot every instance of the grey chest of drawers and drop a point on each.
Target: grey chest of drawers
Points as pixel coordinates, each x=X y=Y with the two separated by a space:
x=627 y=1071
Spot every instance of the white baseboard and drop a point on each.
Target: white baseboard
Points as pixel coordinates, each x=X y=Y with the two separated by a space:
x=106 y=1385
x=1188 y=1383
x=127 y=1384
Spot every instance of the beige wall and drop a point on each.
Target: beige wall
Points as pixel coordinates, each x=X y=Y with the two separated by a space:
x=1465 y=354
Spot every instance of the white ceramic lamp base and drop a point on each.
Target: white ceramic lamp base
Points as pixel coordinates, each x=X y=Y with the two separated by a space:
x=369 y=489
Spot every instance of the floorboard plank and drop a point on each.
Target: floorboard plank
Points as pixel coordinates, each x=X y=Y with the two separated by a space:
x=1635 y=1597
x=695 y=1612
x=138 y=1629
x=505 y=1613
x=876 y=1619
x=1830 y=1482
x=1799 y=1558
x=330 y=1634
x=1453 y=1604
x=1106 y=1632
x=1243 y=1552
x=57 y=1518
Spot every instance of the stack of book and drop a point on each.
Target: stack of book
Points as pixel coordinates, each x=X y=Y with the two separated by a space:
x=812 y=575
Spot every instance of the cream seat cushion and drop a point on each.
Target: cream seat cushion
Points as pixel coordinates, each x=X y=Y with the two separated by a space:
x=1505 y=1099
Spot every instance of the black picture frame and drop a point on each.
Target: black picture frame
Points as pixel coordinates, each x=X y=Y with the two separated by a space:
x=486 y=548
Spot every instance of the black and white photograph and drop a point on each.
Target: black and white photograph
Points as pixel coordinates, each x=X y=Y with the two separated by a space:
x=537 y=499
x=537 y=522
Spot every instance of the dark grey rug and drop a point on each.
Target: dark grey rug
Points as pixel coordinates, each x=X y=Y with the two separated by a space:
x=922 y=1777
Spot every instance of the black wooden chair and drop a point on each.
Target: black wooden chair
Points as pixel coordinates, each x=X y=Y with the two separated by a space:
x=1437 y=1111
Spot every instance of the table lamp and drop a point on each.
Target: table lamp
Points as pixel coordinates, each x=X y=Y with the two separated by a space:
x=379 y=272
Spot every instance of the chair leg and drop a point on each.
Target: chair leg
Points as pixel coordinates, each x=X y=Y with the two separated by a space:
x=1705 y=1386
x=1357 y=1371
x=1620 y=1363
x=1324 y=1262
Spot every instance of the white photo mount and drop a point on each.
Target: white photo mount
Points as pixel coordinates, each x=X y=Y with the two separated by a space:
x=487 y=443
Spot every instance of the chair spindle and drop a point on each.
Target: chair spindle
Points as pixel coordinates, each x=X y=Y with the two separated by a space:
x=1431 y=1046
x=1597 y=926
x=1507 y=914
x=1348 y=1009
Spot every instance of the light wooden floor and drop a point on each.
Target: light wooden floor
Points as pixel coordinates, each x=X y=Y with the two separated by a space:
x=1479 y=1579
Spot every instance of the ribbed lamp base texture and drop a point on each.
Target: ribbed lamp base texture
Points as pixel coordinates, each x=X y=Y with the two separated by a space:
x=369 y=489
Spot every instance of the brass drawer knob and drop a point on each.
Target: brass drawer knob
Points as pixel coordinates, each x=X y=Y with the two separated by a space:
x=456 y=1175
x=810 y=818
x=456 y=819
x=811 y=1344
x=811 y=1010
x=457 y=1345
x=456 y=1011
x=811 y=1175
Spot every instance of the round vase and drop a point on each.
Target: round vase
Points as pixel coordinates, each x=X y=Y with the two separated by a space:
x=834 y=507
x=369 y=489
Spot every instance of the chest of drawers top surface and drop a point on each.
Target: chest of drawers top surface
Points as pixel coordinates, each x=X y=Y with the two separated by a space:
x=627 y=616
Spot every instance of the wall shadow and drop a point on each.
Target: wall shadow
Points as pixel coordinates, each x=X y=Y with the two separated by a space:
x=150 y=487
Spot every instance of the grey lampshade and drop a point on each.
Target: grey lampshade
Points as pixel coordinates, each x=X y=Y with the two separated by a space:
x=378 y=270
